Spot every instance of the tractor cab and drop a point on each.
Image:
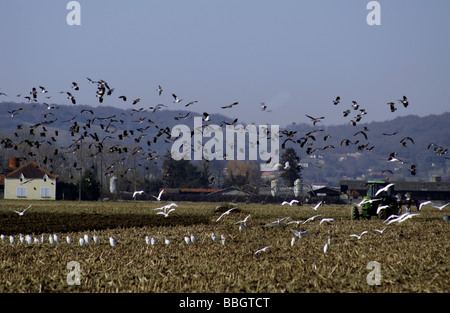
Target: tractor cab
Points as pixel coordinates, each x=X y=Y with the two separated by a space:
x=374 y=186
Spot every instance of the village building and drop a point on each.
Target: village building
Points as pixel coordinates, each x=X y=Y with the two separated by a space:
x=30 y=182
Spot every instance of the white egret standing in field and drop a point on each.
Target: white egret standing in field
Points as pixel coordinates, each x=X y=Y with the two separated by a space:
x=293 y=240
x=167 y=241
x=86 y=238
x=222 y=239
x=56 y=238
x=96 y=239
x=214 y=237
x=69 y=240
x=147 y=240
x=152 y=241
x=112 y=241
x=28 y=239
x=193 y=240
x=51 y=240
x=11 y=239
x=81 y=241
x=187 y=239
x=325 y=248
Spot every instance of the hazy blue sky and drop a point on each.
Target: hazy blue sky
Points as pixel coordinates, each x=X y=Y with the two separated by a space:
x=294 y=55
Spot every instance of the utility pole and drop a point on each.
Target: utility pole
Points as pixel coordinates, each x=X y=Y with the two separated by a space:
x=81 y=169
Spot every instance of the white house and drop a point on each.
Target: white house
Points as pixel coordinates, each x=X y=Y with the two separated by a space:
x=30 y=182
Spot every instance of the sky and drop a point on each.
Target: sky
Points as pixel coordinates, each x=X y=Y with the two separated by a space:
x=296 y=56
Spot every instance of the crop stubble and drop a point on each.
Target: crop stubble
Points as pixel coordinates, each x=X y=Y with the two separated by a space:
x=413 y=256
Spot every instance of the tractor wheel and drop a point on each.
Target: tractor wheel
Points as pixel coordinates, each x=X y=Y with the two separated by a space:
x=355 y=213
x=384 y=214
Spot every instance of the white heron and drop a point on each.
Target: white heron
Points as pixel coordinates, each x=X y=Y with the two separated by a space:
x=96 y=239
x=2 y=237
x=327 y=220
x=293 y=240
x=69 y=240
x=441 y=207
x=147 y=240
x=56 y=238
x=166 y=214
x=279 y=222
x=325 y=248
x=379 y=230
x=290 y=202
x=28 y=239
x=153 y=241
x=187 y=239
x=81 y=241
x=244 y=221
x=21 y=238
x=316 y=206
x=193 y=240
x=167 y=241
x=424 y=204
x=140 y=192
x=223 y=239
x=262 y=249
x=311 y=218
x=214 y=237
x=385 y=188
x=112 y=241
x=382 y=207
x=359 y=236
x=11 y=239
x=23 y=212
x=159 y=196
x=86 y=238
x=299 y=233
x=226 y=213
x=51 y=240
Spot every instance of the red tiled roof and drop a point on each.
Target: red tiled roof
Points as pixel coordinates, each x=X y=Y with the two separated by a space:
x=30 y=170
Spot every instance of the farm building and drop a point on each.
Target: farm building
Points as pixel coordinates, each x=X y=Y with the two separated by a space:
x=29 y=182
x=434 y=190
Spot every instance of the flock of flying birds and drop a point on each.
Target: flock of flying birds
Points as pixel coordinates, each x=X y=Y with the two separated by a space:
x=141 y=141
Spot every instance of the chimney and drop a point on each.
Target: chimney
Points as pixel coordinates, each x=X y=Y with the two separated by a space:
x=13 y=162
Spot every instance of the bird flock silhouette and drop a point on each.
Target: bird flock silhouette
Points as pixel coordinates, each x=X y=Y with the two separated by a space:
x=108 y=133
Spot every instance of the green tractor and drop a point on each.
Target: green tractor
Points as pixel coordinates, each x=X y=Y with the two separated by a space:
x=371 y=202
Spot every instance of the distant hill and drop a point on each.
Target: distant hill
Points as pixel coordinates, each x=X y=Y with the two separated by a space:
x=58 y=127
